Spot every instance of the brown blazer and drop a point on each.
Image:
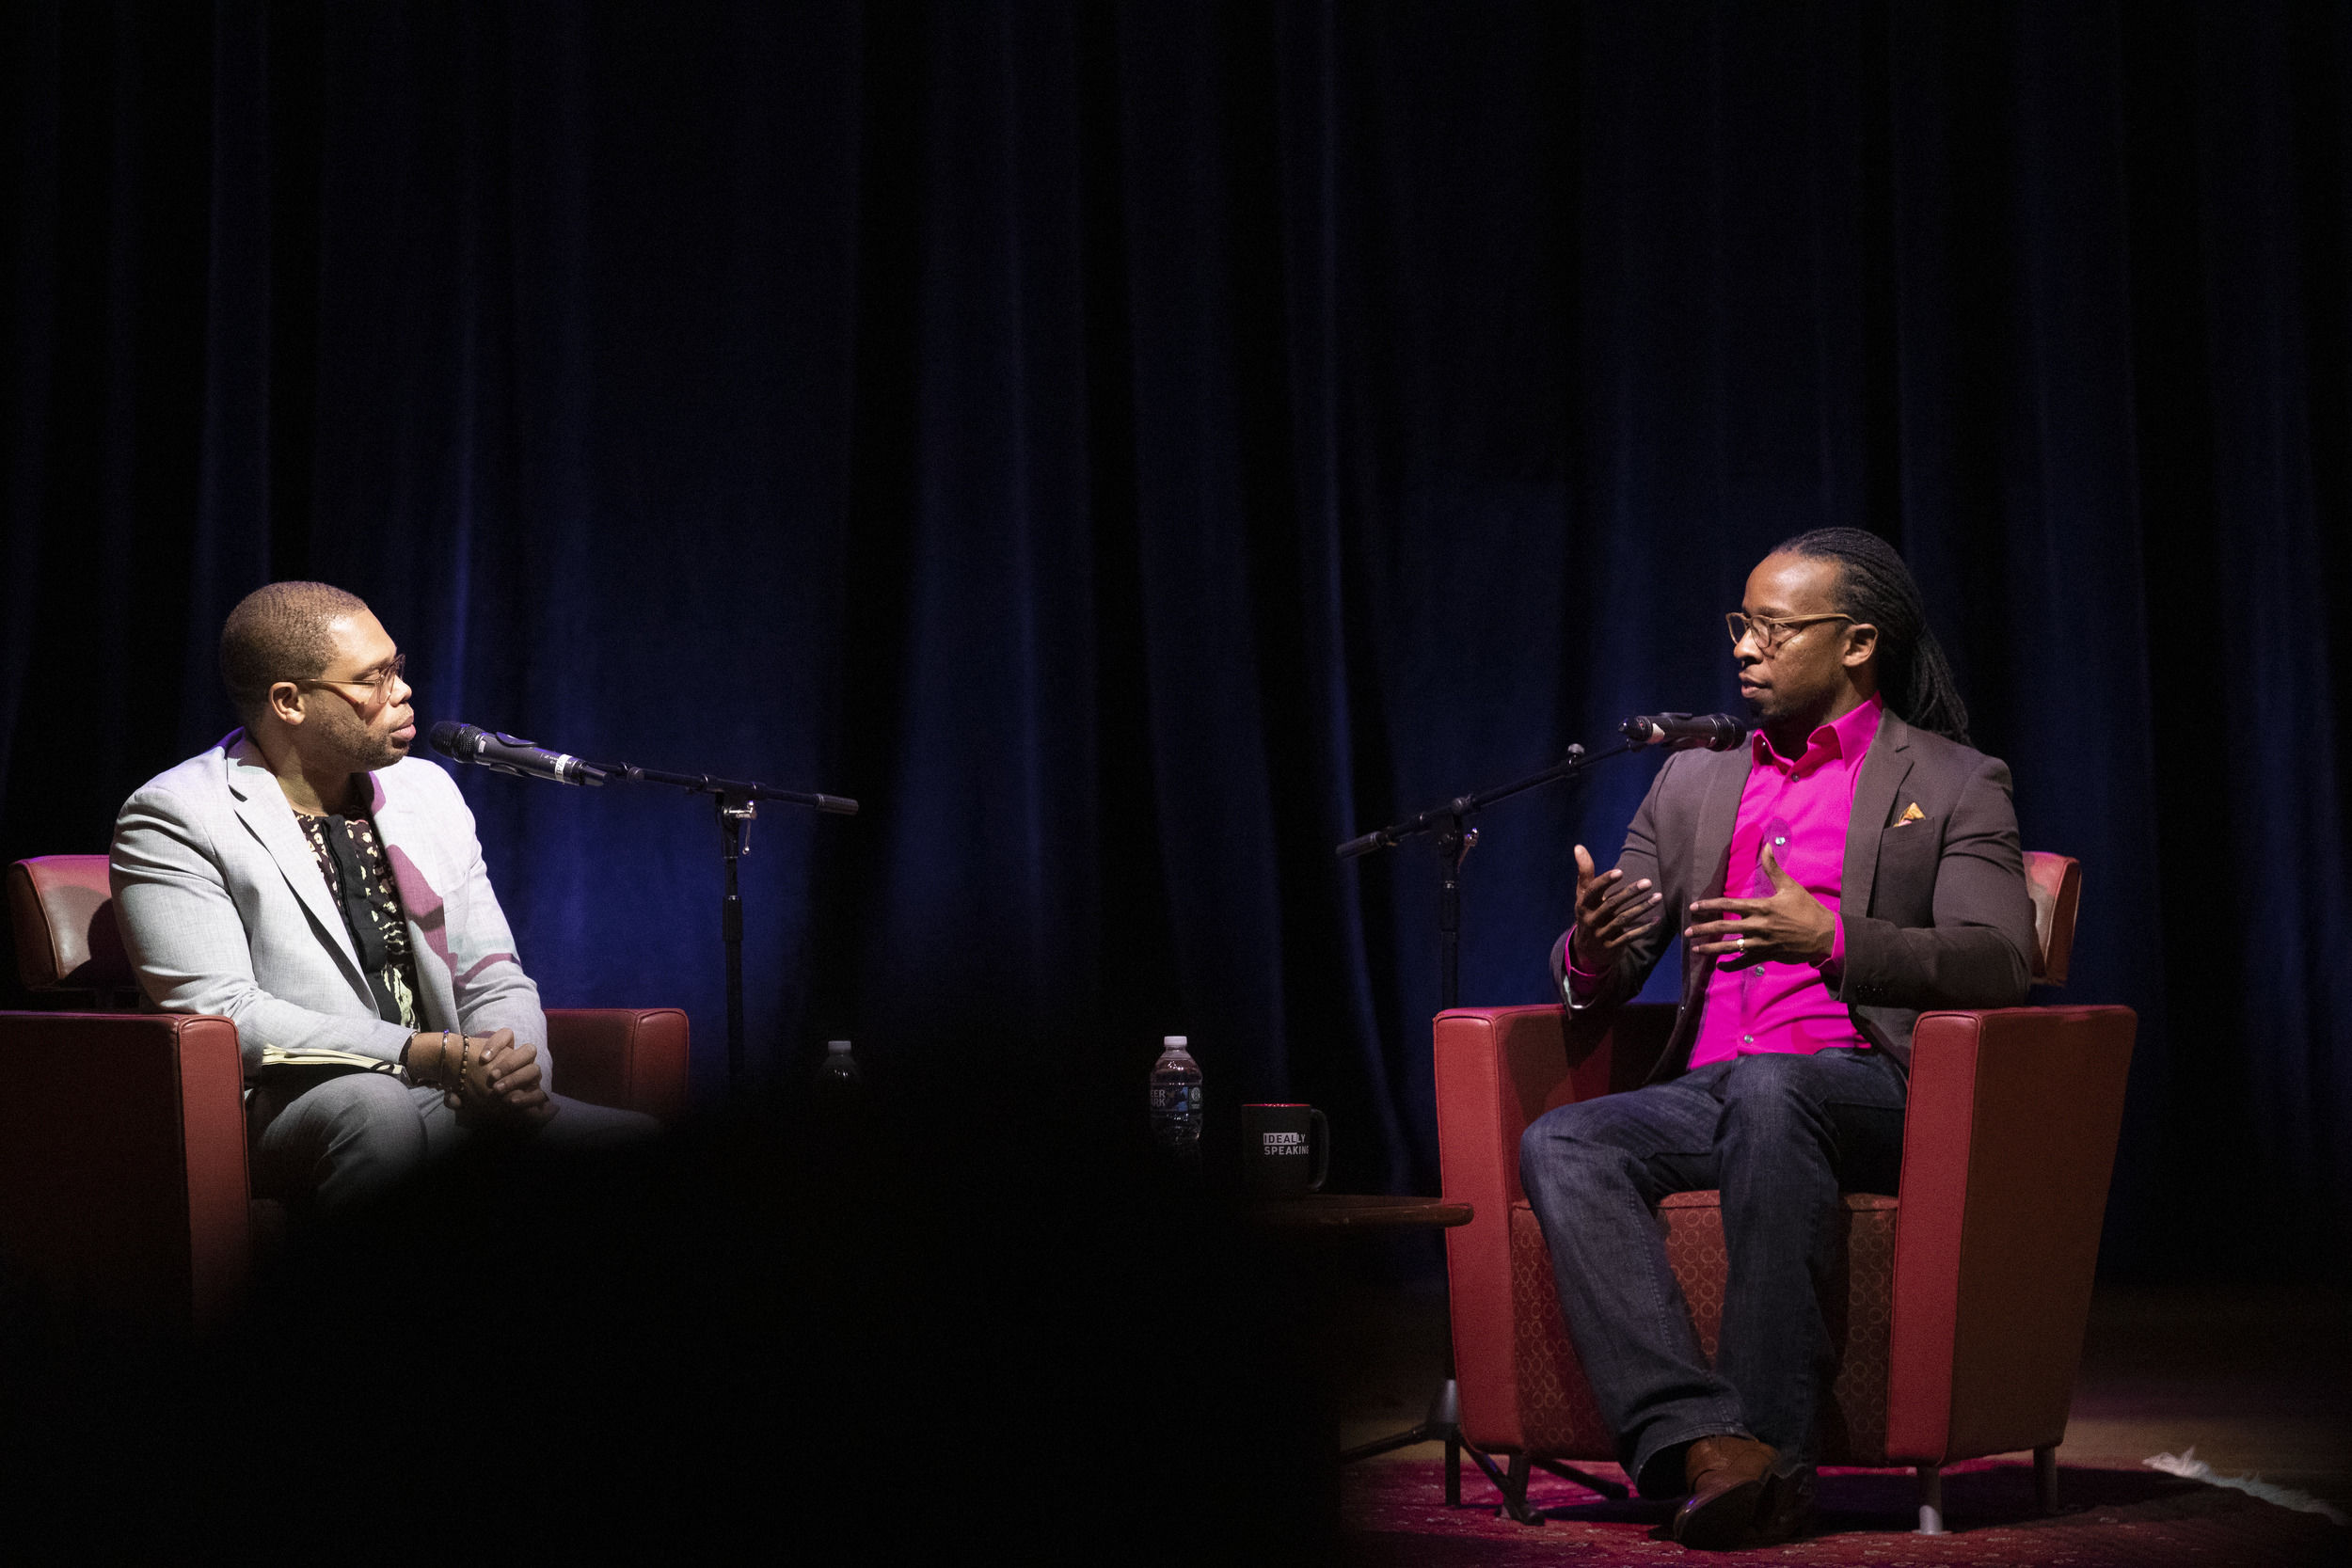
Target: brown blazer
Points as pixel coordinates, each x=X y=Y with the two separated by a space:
x=1935 y=908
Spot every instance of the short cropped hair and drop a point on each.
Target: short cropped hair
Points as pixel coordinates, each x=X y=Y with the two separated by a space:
x=276 y=633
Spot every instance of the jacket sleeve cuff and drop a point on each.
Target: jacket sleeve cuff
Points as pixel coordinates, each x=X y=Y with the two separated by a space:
x=1833 y=964
x=1863 y=977
x=1582 y=987
x=1577 y=989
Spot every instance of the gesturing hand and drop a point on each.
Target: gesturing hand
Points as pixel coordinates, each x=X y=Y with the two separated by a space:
x=1789 y=927
x=1610 y=912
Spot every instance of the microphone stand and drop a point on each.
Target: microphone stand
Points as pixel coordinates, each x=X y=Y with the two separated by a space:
x=738 y=801
x=1455 y=839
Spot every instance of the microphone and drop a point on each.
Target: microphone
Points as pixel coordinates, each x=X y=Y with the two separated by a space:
x=505 y=753
x=1681 y=732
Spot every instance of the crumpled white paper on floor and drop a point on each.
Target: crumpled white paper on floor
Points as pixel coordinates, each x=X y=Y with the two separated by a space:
x=2189 y=1468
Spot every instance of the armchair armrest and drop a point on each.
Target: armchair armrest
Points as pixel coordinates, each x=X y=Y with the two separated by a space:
x=1498 y=1068
x=629 y=1058
x=124 y=1187
x=2008 y=1147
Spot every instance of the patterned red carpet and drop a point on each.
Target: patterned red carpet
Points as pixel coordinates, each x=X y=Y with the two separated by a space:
x=1395 y=1517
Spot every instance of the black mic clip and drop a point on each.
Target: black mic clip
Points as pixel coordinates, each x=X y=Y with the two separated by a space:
x=1683 y=731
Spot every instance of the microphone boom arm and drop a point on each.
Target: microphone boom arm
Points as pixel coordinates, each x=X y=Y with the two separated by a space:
x=1454 y=811
x=1455 y=837
x=738 y=789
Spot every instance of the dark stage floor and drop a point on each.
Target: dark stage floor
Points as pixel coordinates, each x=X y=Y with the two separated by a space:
x=2256 y=1379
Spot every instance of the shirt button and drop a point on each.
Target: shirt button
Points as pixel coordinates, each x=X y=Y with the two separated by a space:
x=1782 y=839
x=1747 y=1039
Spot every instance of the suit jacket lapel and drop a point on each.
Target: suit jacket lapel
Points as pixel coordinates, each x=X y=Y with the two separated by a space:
x=1883 y=773
x=406 y=833
x=262 y=807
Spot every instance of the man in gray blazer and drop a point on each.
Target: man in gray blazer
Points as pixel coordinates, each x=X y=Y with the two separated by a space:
x=312 y=881
x=1853 y=864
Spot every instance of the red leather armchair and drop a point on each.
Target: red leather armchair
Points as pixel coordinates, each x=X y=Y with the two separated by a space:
x=124 y=1193
x=1961 y=1316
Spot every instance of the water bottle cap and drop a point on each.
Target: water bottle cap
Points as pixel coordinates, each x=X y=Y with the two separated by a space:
x=835 y=1048
x=1177 y=1040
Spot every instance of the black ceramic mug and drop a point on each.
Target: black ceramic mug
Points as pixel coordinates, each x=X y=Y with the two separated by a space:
x=1286 y=1150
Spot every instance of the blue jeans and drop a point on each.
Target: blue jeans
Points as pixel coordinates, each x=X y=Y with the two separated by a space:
x=1781 y=1136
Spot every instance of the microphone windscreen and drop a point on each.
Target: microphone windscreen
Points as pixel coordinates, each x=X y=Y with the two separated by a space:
x=450 y=738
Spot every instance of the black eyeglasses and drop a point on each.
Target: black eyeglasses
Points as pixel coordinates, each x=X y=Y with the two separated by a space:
x=1772 y=634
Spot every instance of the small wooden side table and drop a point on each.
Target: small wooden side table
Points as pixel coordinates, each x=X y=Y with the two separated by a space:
x=1367 y=1214
x=1358 y=1212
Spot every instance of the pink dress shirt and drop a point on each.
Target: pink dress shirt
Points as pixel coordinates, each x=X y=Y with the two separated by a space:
x=1804 y=807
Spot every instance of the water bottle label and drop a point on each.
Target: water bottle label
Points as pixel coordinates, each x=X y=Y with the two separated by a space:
x=1176 y=1115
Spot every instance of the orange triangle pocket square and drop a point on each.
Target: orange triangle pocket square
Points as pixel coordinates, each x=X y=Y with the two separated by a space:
x=1911 y=814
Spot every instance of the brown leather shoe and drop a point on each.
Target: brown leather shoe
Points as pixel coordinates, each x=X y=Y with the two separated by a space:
x=1726 y=1475
x=1786 y=1510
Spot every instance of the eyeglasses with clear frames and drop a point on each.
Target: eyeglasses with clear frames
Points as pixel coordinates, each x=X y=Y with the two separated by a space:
x=378 y=685
x=1772 y=634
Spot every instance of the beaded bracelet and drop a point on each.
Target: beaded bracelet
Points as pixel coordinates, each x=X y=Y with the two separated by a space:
x=445 y=1073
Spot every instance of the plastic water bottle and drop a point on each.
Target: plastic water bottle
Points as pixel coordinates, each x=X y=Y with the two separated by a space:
x=1176 y=1099
x=839 y=1084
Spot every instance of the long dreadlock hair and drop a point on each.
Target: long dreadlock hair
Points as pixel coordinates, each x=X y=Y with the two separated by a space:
x=1874 y=586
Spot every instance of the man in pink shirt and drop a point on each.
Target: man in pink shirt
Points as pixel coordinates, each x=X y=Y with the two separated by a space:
x=1855 y=862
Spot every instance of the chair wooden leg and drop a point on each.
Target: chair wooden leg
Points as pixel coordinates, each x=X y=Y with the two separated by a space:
x=1932 y=1500
x=2046 y=1478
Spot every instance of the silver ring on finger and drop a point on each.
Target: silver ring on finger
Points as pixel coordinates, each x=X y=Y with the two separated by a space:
x=1740 y=942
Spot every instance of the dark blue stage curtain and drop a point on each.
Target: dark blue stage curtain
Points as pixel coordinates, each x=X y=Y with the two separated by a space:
x=1133 y=448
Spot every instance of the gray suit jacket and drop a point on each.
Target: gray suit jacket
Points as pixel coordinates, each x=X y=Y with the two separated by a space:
x=1935 y=908
x=223 y=908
